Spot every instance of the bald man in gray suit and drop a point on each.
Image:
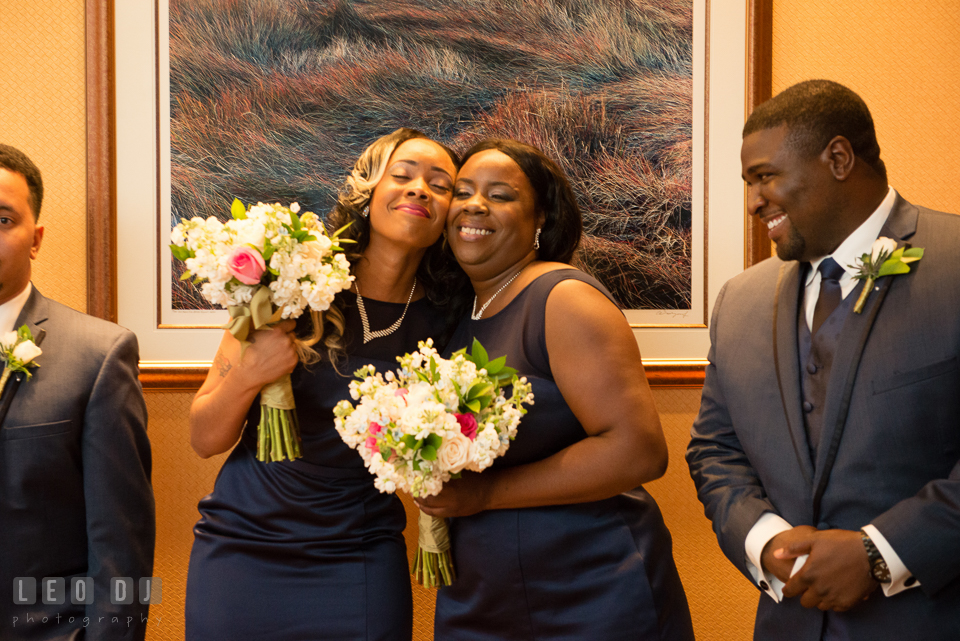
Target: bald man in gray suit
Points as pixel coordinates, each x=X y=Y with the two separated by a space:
x=75 y=495
x=827 y=447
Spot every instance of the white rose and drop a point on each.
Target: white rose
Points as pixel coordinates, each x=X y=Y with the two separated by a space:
x=9 y=339
x=882 y=245
x=454 y=454
x=313 y=250
x=26 y=351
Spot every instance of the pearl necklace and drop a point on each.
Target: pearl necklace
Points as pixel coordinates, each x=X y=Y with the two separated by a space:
x=475 y=315
x=380 y=333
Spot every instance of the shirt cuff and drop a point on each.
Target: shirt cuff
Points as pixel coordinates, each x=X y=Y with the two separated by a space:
x=767 y=526
x=900 y=577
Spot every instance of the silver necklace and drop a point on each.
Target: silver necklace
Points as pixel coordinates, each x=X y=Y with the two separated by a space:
x=380 y=333
x=476 y=315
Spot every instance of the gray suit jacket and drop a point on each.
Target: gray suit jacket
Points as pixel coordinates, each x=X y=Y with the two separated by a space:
x=75 y=495
x=890 y=448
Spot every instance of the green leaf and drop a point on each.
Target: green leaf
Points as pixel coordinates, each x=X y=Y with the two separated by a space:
x=913 y=252
x=237 y=210
x=473 y=406
x=385 y=451
x=415 y=464
x=479 y=354
x=181 y=253
x=496 y=365
x=337 y=233
x=24 y=334
x=460 y=352
x=433 y=369
x=478 y=389
x=268 y=250
x=295 y=222
x=410 y=441
x=429 y=453
x=186 y=276
x=896 y=254
x=434 y=441
x=893 y=268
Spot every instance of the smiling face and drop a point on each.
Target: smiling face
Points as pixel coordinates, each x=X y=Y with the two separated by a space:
x=493 y=218
x=792 y=195
x=20 y=236
x=409 y=204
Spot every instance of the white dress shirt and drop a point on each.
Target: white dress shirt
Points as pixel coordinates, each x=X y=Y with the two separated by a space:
x=769 y=524
x=10 y=310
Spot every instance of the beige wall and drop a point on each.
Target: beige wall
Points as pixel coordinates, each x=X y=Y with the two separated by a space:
x=900 y=56
x=42 y=113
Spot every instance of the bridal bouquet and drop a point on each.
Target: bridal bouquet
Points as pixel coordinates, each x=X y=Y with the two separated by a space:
x=266 y=264
x=422 y=426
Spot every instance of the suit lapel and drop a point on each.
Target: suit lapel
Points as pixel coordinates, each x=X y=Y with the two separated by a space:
x=900 y=225
x=787 y=360
x=33 y=315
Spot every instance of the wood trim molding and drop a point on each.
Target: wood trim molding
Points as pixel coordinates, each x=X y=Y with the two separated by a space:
x=187 y=377
x=101 y=166
x=759 y=89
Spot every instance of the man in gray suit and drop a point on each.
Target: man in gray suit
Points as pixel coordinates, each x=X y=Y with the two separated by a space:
x=75 y=499
x=827 y=445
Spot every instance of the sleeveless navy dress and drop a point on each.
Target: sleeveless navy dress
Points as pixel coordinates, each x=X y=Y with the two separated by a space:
x=308 y=549
x=599 y=571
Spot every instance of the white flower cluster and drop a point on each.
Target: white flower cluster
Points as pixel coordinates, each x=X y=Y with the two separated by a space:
x=411 y=427
x=301 y=273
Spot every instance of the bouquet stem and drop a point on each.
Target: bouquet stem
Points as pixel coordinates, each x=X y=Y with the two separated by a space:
x=278 y=436
x=433 y=566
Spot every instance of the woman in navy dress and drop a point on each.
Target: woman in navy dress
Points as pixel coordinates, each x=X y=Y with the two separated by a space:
x=558 y=540
x=309 y=549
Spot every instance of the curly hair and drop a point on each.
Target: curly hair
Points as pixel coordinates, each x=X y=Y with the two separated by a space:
x=553 y=196
x=446 y=285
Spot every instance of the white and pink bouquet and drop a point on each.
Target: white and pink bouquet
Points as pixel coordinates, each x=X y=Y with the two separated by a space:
x=266 y=264
x=424 y=425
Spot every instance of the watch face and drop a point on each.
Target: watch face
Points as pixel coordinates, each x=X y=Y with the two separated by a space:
x=880 y=571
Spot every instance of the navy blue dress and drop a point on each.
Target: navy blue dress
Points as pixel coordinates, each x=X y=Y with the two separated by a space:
x=602 y=570
x=308 y=549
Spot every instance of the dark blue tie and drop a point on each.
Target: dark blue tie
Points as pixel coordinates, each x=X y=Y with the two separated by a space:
x=830 y=296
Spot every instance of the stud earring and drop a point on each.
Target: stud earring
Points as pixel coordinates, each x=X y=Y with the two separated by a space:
x=536 y=240
x=365 y=211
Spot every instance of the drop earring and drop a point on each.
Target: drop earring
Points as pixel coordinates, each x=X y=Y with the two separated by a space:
x=365 y=211
x=536 y=240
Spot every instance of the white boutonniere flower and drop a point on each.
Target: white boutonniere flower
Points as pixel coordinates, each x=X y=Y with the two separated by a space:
x=884 y=259
x=18 y=352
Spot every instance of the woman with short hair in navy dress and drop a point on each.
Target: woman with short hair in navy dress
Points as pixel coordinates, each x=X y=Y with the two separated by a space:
x=309 y=549
x=557 y=540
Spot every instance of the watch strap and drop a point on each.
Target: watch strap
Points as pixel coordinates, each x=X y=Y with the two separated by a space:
x=878 y=567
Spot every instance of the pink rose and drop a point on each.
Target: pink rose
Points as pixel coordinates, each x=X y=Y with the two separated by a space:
x=375 y=428
x=246 y=264
x=468 y=425
x=372 y=443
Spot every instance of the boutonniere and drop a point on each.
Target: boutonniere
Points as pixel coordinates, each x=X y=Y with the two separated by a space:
x=884 y=259
x=18 y=352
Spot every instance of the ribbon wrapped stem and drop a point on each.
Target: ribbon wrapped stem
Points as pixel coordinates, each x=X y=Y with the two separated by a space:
x=433 y=566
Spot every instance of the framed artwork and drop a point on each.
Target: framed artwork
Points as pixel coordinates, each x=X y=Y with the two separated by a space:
x=649 y=150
